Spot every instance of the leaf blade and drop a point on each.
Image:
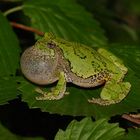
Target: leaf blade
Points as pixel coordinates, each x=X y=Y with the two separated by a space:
x=92 y=130
x=64 y=19
x=5 y=134
x=8 y=90
x=9 y=49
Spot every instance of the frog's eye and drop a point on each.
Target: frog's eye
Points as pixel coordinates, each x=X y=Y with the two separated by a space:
x=51 y=45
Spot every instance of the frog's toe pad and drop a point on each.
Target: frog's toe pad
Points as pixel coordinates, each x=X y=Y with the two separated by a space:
x=101 y=102
x=38 y=90
x=44 y=97
x=50 y=95
x=67 y=93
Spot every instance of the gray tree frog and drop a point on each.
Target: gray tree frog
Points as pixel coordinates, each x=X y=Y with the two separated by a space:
x=54 y=59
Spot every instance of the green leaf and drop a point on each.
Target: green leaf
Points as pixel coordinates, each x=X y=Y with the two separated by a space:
x=9 y=61
x=76 y=102
x=5 y=134
x=116 y=28
x=133 y=134
x=66 y=19
x=10 y=0
x=8 y=90
x=132 y=7
x=9 y=49
x=88 y=130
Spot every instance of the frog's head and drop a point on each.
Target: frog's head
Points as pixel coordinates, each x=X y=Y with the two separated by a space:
x=49 y=36
x=46 y=42
x=39 y=62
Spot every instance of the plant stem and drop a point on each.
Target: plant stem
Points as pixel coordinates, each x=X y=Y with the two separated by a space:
x=12 y=10
x=132 y=119
x=27 y=28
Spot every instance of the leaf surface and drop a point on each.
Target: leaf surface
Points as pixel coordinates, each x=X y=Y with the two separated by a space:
x=9 y=49
x=88 y=130
x=66 y=18
x=5 y=134
x=8 y=90
x=9 y=61
x=133 y=134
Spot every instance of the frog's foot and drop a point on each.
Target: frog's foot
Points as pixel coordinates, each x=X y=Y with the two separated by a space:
x=112 y=93
x=56 y=93
x=100 y=101
x=53 y=95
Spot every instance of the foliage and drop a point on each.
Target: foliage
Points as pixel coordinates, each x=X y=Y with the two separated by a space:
x=5 y=134
x=88 y=130
x=69 y=25
x=9 y=59
x=88 y=22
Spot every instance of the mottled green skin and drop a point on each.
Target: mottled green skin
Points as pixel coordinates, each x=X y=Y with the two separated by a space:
x=52 y=59
x=84 y=61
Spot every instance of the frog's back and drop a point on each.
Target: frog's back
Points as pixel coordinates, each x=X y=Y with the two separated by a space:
x=84 y=61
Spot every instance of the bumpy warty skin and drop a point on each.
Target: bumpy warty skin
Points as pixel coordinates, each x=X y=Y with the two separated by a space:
x=54 y=59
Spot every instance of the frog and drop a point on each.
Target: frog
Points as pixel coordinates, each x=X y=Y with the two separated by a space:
x=55 y=60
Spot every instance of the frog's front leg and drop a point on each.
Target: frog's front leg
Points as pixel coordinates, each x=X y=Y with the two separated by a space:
x=56 y=93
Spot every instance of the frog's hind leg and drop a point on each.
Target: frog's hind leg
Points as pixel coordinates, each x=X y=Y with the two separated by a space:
x=112 y=93
x=115 y=90
x=115 y=60
x=56 y=93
